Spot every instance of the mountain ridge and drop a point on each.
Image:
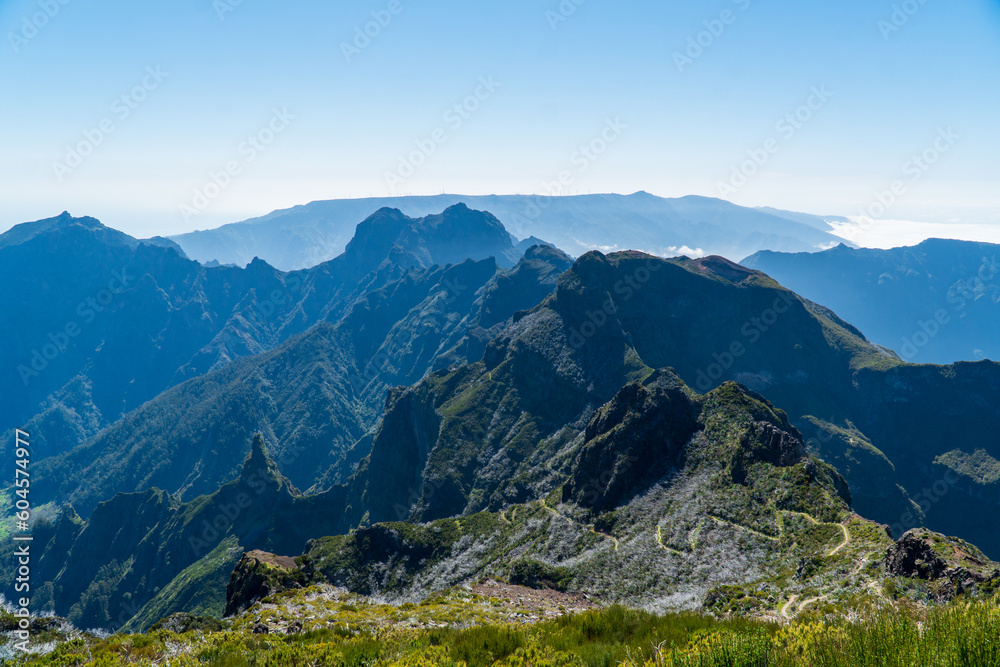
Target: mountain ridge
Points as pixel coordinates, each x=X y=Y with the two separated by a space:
x=308 y=234
x=935 y=302
x=105 y=311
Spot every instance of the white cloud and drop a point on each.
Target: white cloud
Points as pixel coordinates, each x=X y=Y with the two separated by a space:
x=674 y=251
x=599 y=248
x=870 y=233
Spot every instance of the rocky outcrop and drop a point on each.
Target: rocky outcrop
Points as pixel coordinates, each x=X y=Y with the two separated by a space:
x=258 y=575
x=912 y=556
x=765 y=442
x=955 y=565
x=631 y=441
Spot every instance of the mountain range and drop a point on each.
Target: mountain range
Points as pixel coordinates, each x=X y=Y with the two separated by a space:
x=935 y=303
x=106 y=323
x=439 y=403
x=304 y=236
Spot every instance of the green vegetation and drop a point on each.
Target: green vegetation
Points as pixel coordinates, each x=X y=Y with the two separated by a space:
x=963 y=634
x=978 y=466
x=535 y=574
x=199 y=589
x=560 y=460
x=5 y=512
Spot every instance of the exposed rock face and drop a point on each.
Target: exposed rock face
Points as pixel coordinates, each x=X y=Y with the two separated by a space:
x=452 y=237
x=958 y=566
x=258 y=575
x=912 y=556
x=764 y=442
x=635 y=438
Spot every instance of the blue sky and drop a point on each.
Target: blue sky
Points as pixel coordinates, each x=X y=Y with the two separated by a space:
x=329 y=125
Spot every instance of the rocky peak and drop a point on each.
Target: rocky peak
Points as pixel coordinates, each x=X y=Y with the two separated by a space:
x=62 y=225
x=375 y=235
x=260 y=467
x=633 y=440
x=258 y=575
x=958 y=565
x=531 y=243
x=547 y=253
x=451 y=237
x=913 y=556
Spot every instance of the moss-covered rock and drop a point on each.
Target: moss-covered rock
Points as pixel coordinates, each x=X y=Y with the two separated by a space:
x=258 y=575
x=953 y=564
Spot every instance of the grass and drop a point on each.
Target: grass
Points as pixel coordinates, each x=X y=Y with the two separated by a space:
x=959 y=635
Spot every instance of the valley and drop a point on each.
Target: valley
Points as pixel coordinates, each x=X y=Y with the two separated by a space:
x=424 y=416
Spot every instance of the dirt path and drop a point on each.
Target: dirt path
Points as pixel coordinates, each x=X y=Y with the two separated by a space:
x=816 y=522
x=847 y=540
x=810 y=517
x=864 y=561
x=659 y=543
x=806 y=603
x=741 y=527
x=784 y=610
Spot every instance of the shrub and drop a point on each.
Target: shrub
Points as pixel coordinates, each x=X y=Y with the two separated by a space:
x=538 y=575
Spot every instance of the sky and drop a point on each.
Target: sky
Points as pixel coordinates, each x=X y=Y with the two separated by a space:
x=169 y=117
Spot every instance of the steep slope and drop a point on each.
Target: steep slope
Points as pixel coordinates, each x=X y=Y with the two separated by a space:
x=937 y=302
x=500 y=431
x=313 y=398
x=149 y=549
x=674 y=500
x=548 y=459
x=105 y=323
x=307 y=235
x=729 y=498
